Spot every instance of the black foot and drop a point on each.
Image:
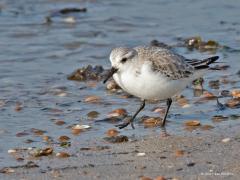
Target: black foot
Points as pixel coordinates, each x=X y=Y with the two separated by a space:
x=125 y=124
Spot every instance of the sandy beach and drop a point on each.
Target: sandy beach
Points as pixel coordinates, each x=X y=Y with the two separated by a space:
x=197 y=155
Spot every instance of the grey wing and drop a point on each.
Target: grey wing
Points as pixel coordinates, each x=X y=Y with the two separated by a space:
x=166 y=62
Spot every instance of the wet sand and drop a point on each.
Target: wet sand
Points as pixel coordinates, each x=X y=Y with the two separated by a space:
x=196 y=155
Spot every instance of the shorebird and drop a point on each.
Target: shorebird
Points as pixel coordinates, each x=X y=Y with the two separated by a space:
x=154 y=73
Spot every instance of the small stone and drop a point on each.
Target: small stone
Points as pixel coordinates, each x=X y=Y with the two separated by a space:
x=206 y=127
x=116 y=139
x=46 y=138
x=18 y=106
x=179 y=153
x=93 y=114
x=63 y=138
x=60 y=122
x=190 y=164
x=37 y=132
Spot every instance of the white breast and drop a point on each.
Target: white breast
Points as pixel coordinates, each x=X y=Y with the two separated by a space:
x=148 y=84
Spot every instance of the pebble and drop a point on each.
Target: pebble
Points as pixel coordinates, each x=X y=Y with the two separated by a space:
x=206 y=127
x=93 y=114
x=116 y=139
x=60 y=122
x=190 y=164
x=179 y=153
x=63 y=138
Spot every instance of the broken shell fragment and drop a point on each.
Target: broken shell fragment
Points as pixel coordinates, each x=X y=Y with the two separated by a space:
x=141 y=154
x=81 y=126
x=233 y=103
x=183 y=102
x=162 y=178
x=92 y=99
x=112 y=132
x=117 y=113
x=42 y=152
x=192 y=123
x=12 y=151
x=235 y=93
x=152 y=121
x=209 y=95
x=225 y=140
x=7 y=170
x=62 y=155
x=219 y=118
x=145 y=178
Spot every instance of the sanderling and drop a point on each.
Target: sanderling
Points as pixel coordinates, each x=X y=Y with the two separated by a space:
x=154 y=73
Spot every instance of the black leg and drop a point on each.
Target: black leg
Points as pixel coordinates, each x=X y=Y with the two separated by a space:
x=130 y=121
x=169 y=102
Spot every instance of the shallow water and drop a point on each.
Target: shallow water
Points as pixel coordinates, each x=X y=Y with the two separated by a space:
x=36 y=58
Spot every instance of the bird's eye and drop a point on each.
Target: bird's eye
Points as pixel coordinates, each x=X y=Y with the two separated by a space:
x=123 y=60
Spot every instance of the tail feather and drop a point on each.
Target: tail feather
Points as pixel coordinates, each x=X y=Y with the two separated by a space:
x=204 y=63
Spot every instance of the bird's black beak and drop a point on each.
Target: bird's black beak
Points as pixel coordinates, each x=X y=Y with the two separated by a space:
x=110 y=74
